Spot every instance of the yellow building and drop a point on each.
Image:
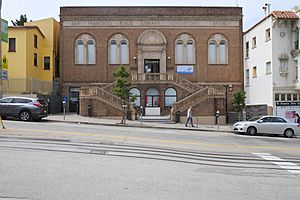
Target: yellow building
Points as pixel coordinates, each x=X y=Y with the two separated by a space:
x=32 y=52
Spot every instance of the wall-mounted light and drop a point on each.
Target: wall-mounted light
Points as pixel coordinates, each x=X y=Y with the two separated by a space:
x=169 y=57
x=134 y=58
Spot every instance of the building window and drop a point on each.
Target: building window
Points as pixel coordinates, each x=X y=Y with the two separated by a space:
x=289 y=97
x=253 y=42
x=170 y=96
x=283 y=69
x=247 y=49
x=277 y=97
x=185 y=50
x=152 y=97
x=118 y=50
x=47 y=63
x=35 y=61
x=90 y=52
x=268 y=34
x=35 y=41
x=268 y=67
x=247 y=77
x=295 y=98
x=254 y=72
x=296 y=69
x=85 y=50
x=135 y=92
x=217 y=50
x=297 y=38
x=282 y=97
x=124 y=52
x=12 y=45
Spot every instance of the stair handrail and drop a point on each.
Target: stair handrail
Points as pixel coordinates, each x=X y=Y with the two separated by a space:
x=174 y=78
x=99 y=92
x=200 y=95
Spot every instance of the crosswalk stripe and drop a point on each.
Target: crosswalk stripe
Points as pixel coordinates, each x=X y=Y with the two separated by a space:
x=289 y=166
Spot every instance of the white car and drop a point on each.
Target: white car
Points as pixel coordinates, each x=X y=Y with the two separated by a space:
x=267 y=124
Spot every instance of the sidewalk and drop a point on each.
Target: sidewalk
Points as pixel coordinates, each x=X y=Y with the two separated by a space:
x=74 y=118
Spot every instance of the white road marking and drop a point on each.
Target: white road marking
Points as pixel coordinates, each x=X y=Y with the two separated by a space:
x=289 y=166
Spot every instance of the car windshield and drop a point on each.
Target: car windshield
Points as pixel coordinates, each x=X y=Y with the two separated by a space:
x=254 y=118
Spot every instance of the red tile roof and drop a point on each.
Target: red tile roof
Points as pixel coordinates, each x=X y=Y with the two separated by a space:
x=280 y=14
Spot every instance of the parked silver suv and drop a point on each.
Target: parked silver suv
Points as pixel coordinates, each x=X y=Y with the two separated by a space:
x=24 y=108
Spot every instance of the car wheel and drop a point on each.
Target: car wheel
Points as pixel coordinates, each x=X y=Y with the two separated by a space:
x=289 y=133
x=251 y=130
x=25 y=115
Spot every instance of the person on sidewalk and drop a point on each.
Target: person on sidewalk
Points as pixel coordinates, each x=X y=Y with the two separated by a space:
x=297 y=118
x=189 y=116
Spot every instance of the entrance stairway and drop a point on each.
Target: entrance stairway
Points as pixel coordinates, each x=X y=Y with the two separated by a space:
x=196 y=92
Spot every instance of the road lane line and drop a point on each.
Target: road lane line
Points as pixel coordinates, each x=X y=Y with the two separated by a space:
x=130 y=138
x=289 y=166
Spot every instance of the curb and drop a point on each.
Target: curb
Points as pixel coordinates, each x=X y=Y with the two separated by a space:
x=139 y=126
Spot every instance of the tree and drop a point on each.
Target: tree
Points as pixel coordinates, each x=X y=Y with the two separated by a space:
x=121 y=89
x=239 y=102
x=21 y=21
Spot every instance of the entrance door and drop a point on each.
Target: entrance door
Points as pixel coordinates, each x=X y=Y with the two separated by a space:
x=74 y=100
x=151 y=66
x=152 y=102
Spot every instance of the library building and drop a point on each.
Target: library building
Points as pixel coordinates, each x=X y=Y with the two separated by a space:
x=177 y=57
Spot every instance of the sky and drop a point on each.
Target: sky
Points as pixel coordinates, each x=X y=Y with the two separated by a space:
x=39 y=9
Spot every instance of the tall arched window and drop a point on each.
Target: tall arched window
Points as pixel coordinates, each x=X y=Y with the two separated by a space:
x=179 y=51
x=152 y=97
x=170 y=96
x=113 y=52
x=91 y=52
x=135 y=92
x=124 y=52
x=85 y=49
x=79 y=52
x=217 y=49
x=223 y=52
x=185 y=50
x=118 y=52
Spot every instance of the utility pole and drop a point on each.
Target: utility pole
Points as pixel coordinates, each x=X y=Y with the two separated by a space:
x=0 y=51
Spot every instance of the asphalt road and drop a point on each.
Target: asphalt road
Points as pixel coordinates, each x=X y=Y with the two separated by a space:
x=49 y=160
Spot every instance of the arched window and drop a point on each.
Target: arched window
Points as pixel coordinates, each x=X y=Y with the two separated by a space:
x=124 y=52
x=152 y=97
x=217 y=49
x=212 y=52
x=79 y=52
x=170 y=96
x=91 y=52
x=179 y=51
x=136 y=92
x=113 y=52
x=118 y=52
x=85 y=50
x=185 y=50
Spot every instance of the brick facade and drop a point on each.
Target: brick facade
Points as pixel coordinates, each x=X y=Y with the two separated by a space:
x=213 y=20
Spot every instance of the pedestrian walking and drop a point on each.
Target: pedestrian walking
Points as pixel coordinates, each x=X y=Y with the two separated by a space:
x=297 y=118
x=189 y=116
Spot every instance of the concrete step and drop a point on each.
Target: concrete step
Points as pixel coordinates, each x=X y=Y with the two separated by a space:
x=156 y=119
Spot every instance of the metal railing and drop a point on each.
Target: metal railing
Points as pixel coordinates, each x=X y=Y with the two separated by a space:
x=96 y=91
x=166 y=77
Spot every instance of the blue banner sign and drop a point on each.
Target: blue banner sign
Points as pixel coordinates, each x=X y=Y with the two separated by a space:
x=185 y=69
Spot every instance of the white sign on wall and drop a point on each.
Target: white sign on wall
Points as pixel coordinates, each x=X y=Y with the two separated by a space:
x=185 y=69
